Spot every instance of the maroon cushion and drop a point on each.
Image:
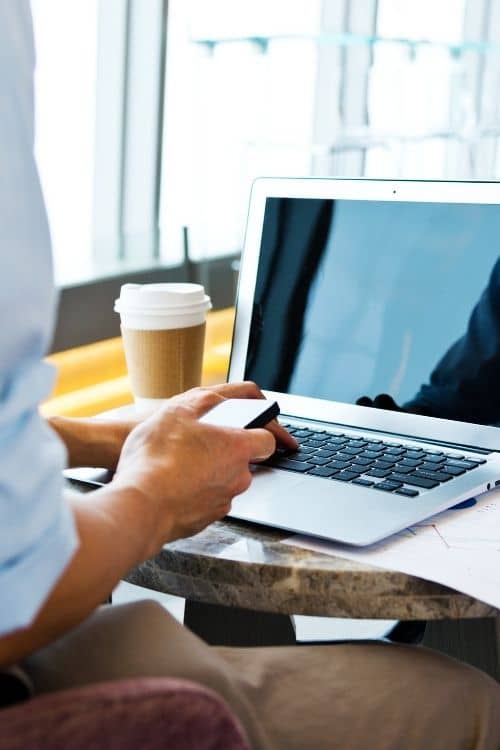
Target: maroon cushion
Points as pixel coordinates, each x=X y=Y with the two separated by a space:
x=145 y=714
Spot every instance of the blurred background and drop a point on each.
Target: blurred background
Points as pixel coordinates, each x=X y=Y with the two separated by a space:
x=154 y=117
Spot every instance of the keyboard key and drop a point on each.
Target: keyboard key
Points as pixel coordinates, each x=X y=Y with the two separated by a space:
x=455 y=471
x=302 y=433
x=322 y=471
x=351 y=451
x=434 y=459
x=439 y=476
x=407 y=492
x=387 y=486
x=330 y=447
x=462 y=464
x=339 y=464
x=363 y=482
x=477 y=461
x=363 y=461
x=359 y=467
x=334 y=439
x=409 y=462
x=427 y=466
x=401 y=469
x=342 y=455
x=384 y=464
x=371 y=454
x=314 y=443
x=317 y=460
x=414 y=453
x=357 y=443
x=299 y=456
x=394 y=451
x=346 y=476
x=288 y=463
x=322 y=453
x=305 y=449
x=427 y=484
x=379 y=473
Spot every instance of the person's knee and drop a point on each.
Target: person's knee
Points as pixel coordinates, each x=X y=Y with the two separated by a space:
x=135 y=628
x=470 y=707
x=484 y=695
x=144 y=615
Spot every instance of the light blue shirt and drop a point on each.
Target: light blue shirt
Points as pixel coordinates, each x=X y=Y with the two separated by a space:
x=37 y=533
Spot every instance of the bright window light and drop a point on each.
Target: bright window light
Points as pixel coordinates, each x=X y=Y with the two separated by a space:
x=65 y=40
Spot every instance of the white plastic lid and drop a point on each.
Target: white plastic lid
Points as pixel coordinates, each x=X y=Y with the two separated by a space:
x=181 y=299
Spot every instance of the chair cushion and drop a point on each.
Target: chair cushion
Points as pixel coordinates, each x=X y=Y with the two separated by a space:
x=145 y=714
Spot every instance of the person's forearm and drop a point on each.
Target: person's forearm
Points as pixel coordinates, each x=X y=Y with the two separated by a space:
x=116 y=532
x=90 y=442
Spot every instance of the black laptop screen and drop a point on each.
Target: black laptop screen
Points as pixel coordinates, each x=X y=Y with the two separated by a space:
x=355 y=299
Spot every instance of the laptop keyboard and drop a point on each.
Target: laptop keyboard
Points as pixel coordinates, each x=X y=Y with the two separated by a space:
x=388 y=467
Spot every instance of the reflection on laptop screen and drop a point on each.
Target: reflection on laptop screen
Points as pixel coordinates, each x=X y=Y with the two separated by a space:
x=360 y=298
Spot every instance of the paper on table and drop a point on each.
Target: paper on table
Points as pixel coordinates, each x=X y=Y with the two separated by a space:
x=458 y=548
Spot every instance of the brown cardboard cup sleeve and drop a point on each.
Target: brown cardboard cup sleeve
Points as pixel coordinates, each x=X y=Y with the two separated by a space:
x=162 y=363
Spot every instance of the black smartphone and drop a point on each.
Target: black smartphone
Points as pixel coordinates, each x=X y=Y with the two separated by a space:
x=246 y=413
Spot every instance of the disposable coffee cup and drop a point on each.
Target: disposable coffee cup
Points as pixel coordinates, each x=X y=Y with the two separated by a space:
x=163 y=332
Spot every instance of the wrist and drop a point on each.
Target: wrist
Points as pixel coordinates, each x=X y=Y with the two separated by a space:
x=152 y=523
x=131 y=518
x=90 y=442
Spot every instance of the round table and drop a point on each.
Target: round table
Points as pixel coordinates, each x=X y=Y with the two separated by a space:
x=241 y=585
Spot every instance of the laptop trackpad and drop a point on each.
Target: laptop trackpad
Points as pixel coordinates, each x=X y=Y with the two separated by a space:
x=272 y=494
x=310 y=505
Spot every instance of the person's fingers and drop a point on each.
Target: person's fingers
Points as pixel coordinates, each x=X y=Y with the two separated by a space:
x=198 y=401
x=384 y=401
x=364 y=401
x=260 y=444
x=282 y=436
x=248 y=389
x=245 y=389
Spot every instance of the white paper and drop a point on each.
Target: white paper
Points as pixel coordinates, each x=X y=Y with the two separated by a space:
x=457 y=548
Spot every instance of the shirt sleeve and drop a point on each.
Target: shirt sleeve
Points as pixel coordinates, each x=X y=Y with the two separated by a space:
x=38 y=536
x=38 y=531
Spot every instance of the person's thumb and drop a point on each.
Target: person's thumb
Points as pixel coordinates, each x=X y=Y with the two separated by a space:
x=261 y=444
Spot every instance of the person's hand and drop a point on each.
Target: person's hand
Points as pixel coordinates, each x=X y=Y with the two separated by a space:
x=187 y=472
x=382 y=401
x=119 y=429
x=248 y=389
x=98 y=442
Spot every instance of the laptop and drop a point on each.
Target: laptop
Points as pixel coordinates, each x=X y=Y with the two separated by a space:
x=356 y=294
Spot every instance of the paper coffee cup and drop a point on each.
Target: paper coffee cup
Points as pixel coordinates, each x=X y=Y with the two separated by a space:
x=163 y=332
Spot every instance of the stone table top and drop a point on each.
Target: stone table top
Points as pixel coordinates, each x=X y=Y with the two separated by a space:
x=238 y=564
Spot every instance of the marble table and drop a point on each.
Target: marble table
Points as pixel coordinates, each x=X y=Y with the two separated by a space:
x=241 y=586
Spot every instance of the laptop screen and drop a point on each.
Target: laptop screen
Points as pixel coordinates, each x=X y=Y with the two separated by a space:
x=355 y=299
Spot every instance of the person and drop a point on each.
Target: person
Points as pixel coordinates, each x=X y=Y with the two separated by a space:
x=462 y=385
x=62 y=554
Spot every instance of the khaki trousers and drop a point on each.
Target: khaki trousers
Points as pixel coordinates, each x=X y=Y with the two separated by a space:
x=370 y=696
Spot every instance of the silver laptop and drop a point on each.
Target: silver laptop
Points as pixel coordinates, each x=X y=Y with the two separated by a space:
x=366 y=309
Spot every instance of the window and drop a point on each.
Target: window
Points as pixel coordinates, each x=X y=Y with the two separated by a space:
x=233 y=110
x=66 y=49
x=98 y=89
x=153 y=118
x=391 y=88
